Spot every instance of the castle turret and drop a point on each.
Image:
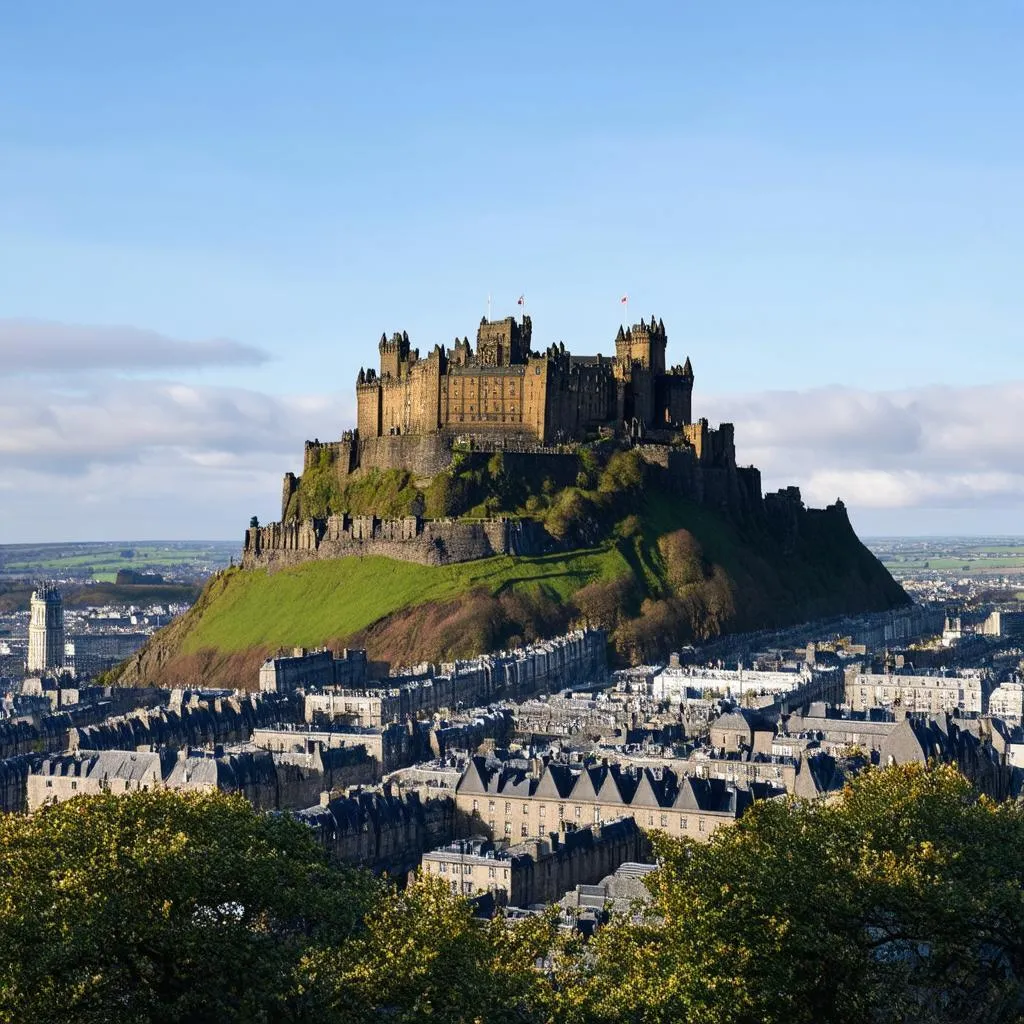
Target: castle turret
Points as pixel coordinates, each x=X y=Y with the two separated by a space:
x=394 y=354
x=503 y=342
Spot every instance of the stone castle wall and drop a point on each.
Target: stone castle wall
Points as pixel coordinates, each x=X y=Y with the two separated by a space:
x=426 y=541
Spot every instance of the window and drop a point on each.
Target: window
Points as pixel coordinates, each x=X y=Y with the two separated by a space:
x=700 y=826
x=526 y=808
x=467 y=887
x=508 y=828
x=490 y=825
x=597 y=814
x=650 y=818
x=508 y=807
x=492 y=872
x=467 y=869
x=543 y=810
x=525 y=830
x=561 y=811
x=664 y=821
x=490 y=806
x=444 y=869
x=578 y=812
x=476 y=805
x=506 y=874
x=682 y=823
x=74 y=784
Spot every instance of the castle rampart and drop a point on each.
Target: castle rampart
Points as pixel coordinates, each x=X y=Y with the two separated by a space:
x=413 y=539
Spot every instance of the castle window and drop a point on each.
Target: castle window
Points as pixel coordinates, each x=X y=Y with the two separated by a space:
x=525 y=830
x=508 y=807
x=508 y=828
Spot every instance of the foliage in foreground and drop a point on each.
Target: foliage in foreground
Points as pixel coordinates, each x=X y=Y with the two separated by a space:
x=901 y=902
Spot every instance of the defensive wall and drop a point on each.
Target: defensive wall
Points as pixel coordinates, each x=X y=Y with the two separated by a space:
x=701 y=469
x=412 y=539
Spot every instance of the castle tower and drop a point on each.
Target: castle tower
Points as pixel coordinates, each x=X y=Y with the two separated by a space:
x=46 y=631
x=394 y=354
x=643 y=344
x=503 y=342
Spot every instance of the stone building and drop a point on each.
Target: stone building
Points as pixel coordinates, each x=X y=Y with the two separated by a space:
x=269 y=781
x=967 y=692
x=510 y=802
x=46 y=631
x=507 y=388
x=539 y=870
x=304 y=669
x=1007 y=701
x=574 y=658
x=380 y=829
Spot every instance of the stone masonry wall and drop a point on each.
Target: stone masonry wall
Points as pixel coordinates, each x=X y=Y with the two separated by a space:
x=429 y=542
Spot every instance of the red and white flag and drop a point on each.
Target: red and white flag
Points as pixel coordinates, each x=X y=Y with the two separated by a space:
x=521 y=301
x=624 y=299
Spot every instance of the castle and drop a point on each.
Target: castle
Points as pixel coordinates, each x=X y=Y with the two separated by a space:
x=508 y=389
x=416 y=413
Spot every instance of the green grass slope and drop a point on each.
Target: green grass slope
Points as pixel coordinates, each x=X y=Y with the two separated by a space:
x=666 y=573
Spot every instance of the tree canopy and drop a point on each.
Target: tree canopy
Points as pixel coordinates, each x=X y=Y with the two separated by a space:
x=900 y=901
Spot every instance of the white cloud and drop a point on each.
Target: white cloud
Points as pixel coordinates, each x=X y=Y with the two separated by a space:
x=929 y=448
x=47 y=347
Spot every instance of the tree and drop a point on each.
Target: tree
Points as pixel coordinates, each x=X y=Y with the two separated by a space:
x=164 y=907
x=900 y=902
x=423 y=957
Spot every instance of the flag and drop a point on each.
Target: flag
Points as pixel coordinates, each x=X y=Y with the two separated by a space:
x=522 y=300
x=624 y=299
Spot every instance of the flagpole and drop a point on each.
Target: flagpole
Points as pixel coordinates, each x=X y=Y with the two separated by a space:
x=488 y=307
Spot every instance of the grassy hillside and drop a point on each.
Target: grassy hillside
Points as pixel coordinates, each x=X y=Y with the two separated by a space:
x=667 y=572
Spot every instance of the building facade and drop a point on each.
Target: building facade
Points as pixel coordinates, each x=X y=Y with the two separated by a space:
x=932 y=694
x=539 y=870
x=514 y=804
x=46 y=630
x=506 y=387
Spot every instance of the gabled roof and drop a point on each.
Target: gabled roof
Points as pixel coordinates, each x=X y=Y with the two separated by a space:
x=618 y=787
x=648 y=791
x=589 y=782
x=517 y=783
x=556 y=783
x=476 y=777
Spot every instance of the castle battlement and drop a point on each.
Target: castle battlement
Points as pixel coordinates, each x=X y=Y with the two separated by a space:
x=503 y=384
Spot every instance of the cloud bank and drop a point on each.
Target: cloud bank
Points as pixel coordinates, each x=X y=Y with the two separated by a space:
x=927 y=449
x=92 y=448
x=47 y=347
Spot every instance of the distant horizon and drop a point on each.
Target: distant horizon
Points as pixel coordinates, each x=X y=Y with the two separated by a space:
x=213 y=540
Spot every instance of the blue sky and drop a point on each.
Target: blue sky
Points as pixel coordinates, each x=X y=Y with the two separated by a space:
x=811 y=195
